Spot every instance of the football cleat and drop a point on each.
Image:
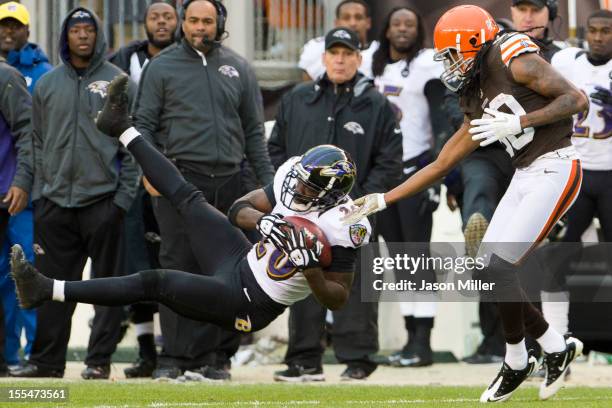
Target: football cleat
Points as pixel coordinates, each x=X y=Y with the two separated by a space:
x=114 y=118
x=33 y=288
x=297 y=373
x=507 y=381
x=556 y=366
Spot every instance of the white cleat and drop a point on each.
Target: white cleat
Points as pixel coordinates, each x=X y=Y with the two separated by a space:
x=556 y=365
x=507 y=381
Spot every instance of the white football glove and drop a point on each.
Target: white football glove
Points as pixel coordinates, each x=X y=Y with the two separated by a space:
x=299 y=254
x=364 y=206
x=269 y=226
x=491 y=129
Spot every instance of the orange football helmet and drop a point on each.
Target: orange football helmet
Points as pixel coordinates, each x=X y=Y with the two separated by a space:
x=458 y=36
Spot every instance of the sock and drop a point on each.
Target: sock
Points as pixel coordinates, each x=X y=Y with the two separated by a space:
x=516 y=355
x=555 y=307
x=423 y=332
x=146 y=347
x=129 y=135
x=551 y=341
x=58 y=290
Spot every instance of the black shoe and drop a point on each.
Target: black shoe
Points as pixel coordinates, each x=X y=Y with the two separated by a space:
x=556 y=365
x=507 y=381
x=140 y=369
x=297 y=373
x=96 y=373
x=415 y=356
x=166 y=373
x=215 y=374
x=31 y=370
x=114 y=118
x=478 y=358
x=354 y=373
x=33 y=288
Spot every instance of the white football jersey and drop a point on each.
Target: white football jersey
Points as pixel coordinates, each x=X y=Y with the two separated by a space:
x=311 y=59
x=404 y=86
x=264 y=256
x=592 y=135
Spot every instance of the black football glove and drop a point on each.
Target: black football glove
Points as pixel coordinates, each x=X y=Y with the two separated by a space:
x=300 y=255
x=269 y=226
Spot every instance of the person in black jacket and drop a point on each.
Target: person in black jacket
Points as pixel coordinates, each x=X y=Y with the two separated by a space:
x=200 y=104
x=161 y=21
x=345 y=109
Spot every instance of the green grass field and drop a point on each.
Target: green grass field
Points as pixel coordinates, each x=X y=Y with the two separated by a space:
x=162 y=395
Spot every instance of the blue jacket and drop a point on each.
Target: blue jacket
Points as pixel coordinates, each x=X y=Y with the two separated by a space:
x=32 y=62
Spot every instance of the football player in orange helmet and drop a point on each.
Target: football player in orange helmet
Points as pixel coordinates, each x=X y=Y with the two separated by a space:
x=511 y=95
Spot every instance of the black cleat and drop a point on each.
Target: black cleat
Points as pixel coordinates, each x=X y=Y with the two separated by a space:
x=297 y=373
x=114 y=118
x=33 y=288
x=556 y=366
x=507 y=381
x=140 y=369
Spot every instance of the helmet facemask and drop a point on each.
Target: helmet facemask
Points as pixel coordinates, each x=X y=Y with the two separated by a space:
x=456 y=68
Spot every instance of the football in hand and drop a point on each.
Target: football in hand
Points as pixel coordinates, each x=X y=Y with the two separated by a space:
x=311 y=230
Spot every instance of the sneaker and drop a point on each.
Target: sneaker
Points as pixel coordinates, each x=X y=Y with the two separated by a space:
x=354 y=373
x=480 y=358
x=96 y=373
x=114 y=118
x=297 y=373
x=33 y=288
x=215 y=374
x=474 y=231
x=30 y=370
x=556 y=365
x=166 y=373
x=416 y=356
x=507 y=381
x=140 y=369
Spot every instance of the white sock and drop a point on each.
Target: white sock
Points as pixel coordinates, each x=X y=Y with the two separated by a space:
x=555 y=308
x=130 y=134
x=58 y=290
x=551 y=341
x=143 y=328
x=516 y=355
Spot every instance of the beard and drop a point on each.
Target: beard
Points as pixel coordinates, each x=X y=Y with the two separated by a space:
x=161 y=44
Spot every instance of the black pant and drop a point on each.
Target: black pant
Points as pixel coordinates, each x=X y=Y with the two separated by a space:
x=485 y=175
x=187 y=343
x=220 y=250
x=354 y=335
x=66 y=237
x=4 y=217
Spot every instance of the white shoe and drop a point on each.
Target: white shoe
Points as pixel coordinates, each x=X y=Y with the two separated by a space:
x=556 y=365
x=507 y=381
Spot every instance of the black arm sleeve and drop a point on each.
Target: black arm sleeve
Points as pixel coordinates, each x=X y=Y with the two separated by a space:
x=269 y=190
x=343 y=259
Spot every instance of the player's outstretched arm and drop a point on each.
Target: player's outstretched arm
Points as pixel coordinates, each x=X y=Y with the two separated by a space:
x=455 y=149
x=535 y=73
x=248 y=209
x=331 y=289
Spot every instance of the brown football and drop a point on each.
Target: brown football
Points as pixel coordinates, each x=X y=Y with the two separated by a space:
x=312 y=230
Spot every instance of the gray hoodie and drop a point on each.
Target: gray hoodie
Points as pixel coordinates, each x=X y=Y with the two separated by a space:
x=76 y=165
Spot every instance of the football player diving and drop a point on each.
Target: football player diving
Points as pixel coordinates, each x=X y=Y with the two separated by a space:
x=252 y=285
x=509 y=94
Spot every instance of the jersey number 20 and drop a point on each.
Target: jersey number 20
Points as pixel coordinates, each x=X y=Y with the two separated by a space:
x=513 y=143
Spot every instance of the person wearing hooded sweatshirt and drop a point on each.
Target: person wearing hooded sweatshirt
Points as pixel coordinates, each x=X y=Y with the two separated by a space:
x=84 y=183
x=32 y=62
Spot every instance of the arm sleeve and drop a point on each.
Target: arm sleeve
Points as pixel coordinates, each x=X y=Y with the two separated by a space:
x=386 y=156
x=148 y=105
x=37 y=143
x=277 y=144
x=343 y=259
x=16 y=107
x=251 y=115
x=129 y=173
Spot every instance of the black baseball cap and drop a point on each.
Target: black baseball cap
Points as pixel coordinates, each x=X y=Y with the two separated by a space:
x=343 y=36
x=537 y=3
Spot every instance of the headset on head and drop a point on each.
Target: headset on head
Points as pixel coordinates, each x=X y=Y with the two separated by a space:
x=221 y=16
x=553 y=8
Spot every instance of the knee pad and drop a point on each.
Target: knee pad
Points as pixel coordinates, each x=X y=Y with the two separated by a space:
x=151 y=282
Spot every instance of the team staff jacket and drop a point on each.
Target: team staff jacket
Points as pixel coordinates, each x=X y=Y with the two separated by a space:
x=75 y=164
x=15 y=130
x=203 y=111
x=354 y=117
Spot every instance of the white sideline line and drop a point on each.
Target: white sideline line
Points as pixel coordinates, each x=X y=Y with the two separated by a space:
x=256 y=403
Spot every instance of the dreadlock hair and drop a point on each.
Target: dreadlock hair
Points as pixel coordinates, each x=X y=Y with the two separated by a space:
x=381 y=57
